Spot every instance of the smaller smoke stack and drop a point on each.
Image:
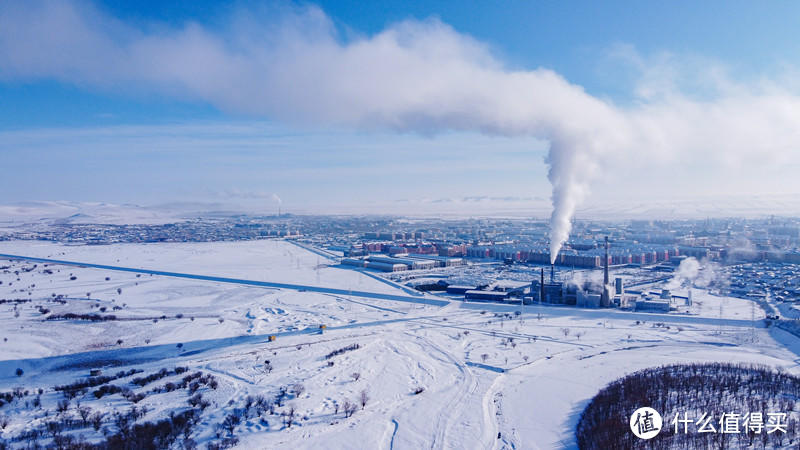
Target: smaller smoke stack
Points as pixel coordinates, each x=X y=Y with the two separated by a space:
x=552 y=273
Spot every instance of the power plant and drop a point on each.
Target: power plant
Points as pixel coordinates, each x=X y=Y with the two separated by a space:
x=581 y=294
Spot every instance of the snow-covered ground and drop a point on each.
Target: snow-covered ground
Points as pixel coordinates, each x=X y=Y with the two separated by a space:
x=489 y=377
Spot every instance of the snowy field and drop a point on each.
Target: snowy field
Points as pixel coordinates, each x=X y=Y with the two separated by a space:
x=469 y=375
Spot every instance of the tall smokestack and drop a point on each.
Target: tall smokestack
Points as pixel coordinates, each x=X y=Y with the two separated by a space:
x=604 y=300
x=605 y=265
x=552 y=273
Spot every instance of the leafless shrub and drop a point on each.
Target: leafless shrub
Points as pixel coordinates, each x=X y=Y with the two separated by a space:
x=349 y=408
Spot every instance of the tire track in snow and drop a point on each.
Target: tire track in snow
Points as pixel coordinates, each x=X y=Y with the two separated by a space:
x=465 y=388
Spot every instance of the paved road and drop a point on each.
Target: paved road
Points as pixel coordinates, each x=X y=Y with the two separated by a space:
x=270 y=284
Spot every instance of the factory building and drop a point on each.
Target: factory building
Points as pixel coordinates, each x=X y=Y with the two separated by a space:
x=459 y=290
x=403 y=262
x=589 y=300
x=386 y=267
x=517 y=288
x=357 y=262
x=442 y=261
x=377 y=265
x=491 y=296
x=553 y=293
x=353 y=251
x=651 y=305
x=412 y=264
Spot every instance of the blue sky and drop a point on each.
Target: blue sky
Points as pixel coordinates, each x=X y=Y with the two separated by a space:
x=81 y=131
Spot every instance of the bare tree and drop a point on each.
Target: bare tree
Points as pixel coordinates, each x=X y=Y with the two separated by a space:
x=230 y=423
x=96 y=421
x=63 y=406
x=349 y=408
x=84 y=412
x=356 y=376
x=484 y=357
x=565 y=331
x=298 y=389
x=288 y=416
x=364 y=398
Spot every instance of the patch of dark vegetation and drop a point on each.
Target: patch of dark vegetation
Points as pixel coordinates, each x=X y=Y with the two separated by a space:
x=89 y=317
x=171 y=432
x=14 y=301
x=342 y=350
x=142 y=381
x=71 y=390
x=9 y=396
x=713 y=389
x=193 y=382
x=126 y=393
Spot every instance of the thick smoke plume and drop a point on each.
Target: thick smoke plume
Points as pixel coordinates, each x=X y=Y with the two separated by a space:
x=702 y=274
x=685 y=274
x=414 y=76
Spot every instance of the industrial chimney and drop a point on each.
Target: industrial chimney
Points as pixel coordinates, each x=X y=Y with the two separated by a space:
x=604 y=299
x=605 y=265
